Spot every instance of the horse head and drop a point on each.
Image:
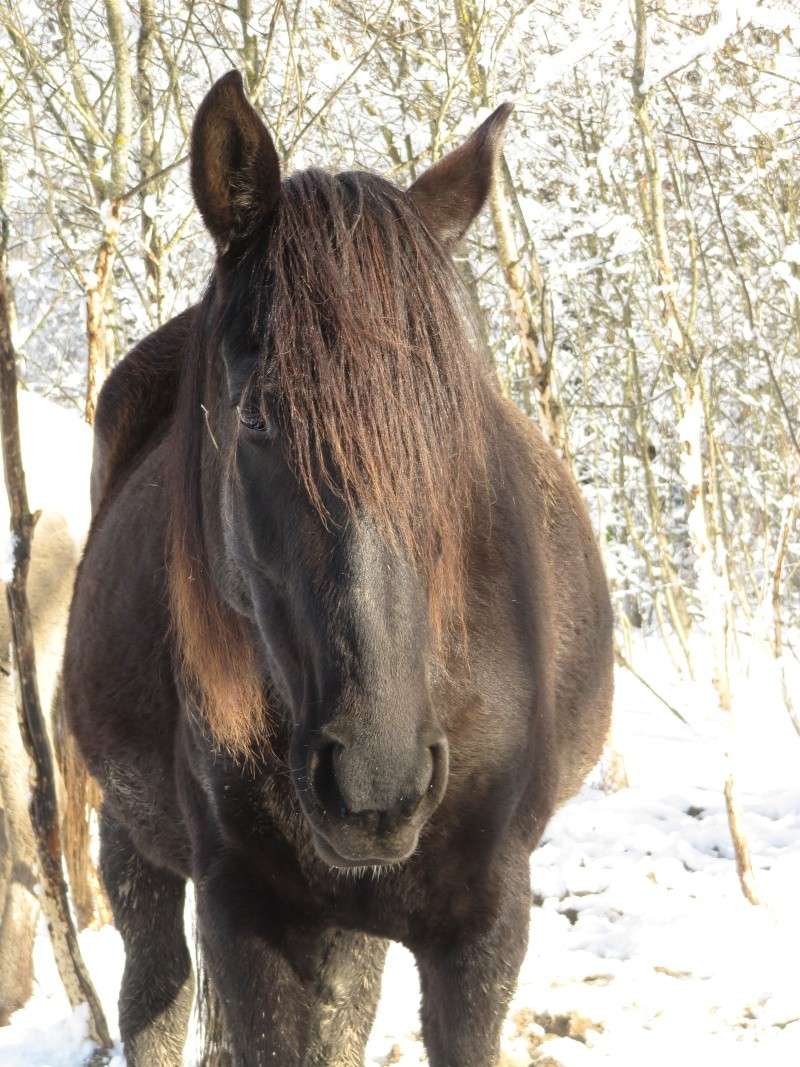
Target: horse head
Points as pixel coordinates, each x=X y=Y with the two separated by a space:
x=337 y=416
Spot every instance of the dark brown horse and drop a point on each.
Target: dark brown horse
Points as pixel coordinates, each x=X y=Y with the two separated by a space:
x=340 y=641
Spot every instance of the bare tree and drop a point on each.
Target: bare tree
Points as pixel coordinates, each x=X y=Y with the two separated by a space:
x=43 y=806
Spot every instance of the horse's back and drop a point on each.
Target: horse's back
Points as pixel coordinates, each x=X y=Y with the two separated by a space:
x=137 y=401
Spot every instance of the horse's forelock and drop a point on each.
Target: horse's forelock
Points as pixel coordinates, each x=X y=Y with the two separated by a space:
x=379 y=390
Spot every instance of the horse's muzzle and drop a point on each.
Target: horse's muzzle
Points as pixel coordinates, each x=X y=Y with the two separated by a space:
x=367 y=808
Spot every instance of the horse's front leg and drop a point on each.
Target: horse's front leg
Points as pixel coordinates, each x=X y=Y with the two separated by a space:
x=298 y=996
x=467 y=982
x=158 y=984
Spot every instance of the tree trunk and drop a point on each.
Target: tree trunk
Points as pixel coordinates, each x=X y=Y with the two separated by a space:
x=776 y=600
x=714 y=595
x=97 y=365
x=529 y=303
x=19 y=908
x=43 y=807
x=150 y=165
x=98 y=362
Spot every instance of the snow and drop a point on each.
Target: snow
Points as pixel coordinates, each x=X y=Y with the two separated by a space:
x=613 y=22
x=643 y=949
x=56 y=454
x=783 y=271
x=46 y=1033
x=732 y=16
x=7 y=556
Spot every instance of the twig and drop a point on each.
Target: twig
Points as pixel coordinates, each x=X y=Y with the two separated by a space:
x=623 y=662
x=130 y=193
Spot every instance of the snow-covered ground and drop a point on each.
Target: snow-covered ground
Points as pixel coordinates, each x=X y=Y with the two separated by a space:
x=643 y=950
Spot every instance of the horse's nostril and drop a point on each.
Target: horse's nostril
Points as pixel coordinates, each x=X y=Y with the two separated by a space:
x=432 y=775
x=440 y=757
x=322 y=776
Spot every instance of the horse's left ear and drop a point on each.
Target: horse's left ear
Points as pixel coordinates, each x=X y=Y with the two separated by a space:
x=451 y=193
x=236 y=175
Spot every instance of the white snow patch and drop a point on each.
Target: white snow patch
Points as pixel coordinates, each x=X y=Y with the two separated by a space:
x=57 y=456
x=7 y=557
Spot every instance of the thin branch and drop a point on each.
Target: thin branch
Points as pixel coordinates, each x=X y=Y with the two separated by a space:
x=623 y=662
x=130 y=193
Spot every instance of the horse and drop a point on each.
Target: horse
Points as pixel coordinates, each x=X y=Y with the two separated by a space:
x=340 y=641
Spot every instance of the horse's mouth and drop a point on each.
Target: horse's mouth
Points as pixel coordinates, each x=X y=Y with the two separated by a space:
x=364 y=853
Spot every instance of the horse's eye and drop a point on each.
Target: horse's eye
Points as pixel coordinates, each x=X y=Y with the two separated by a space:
x=251 y=415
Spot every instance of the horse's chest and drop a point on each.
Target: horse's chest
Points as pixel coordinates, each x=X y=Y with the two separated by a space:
x=439 y=889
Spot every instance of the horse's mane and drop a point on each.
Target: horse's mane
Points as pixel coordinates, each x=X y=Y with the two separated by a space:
x=358 y=314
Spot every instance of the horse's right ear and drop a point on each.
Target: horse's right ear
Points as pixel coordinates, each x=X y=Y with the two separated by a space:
x=236 y=174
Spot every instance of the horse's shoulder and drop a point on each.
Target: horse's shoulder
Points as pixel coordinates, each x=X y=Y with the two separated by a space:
x=137 y=400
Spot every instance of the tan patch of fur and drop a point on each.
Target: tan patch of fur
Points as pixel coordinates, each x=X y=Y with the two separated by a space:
x=217 y=659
